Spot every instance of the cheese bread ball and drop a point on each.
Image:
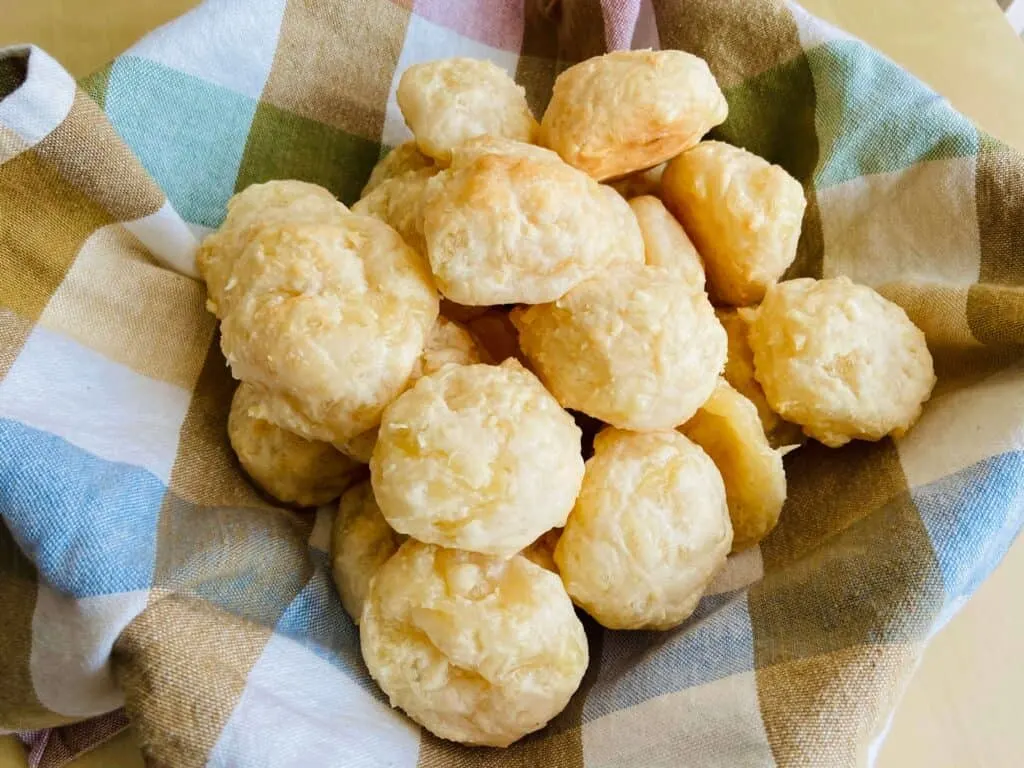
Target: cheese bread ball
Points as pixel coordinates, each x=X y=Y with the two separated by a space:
x=840 y=360
x=477 y=457
x=624 y=111
x=256 y=206
x=448 y=101
x=477 y=649
x=399 y=203
x=729 y=431
x=635 y=349
x=514 y=224
x=542 y=551
x=649 y=531
x=743 y=214
x=361 y=542
x=400 y=160
x=739 y=373
x=666 y=243
x=332 y=322
x=646 y=182
x=288 y=467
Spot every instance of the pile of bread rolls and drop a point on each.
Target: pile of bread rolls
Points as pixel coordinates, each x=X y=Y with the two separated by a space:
x=495 y=273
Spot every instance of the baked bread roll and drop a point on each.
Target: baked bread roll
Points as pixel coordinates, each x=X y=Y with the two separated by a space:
x=840 y=360
x=477 y=457
x=628 y=110
x=635 y=348
x=448 y=344
x=743 y=213
x=449 y=101
x=477 y=649
x=330 y=320
x=511 y=223
x=649 y=531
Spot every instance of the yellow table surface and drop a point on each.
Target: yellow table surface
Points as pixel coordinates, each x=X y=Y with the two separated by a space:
x=962 y=706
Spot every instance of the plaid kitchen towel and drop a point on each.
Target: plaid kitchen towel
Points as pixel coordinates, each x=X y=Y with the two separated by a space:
x=139 y=569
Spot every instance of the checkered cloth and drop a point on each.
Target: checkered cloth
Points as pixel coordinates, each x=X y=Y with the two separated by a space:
x=137 y=566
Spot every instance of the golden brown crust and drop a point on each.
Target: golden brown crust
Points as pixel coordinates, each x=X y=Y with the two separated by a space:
x=624 y=111
x=743 y=214
x=508 y=223
x=649 y=531
x=840 y=360
x=542 y=551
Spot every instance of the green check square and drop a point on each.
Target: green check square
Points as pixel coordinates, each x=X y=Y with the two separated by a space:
x=874 y=117
x=772 y=115
x=283 y=145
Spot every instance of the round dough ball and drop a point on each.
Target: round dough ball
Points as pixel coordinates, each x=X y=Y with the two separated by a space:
x=256 y=206
x=361 y=542
x=477 y=649
x=647 y=182
x=649 y=531
x=514 y=224
x=635 y=349
x=332 y=322
x=448 y=344
x=728 y=429
x=840 y=360
x=288 y=467
x=615 y=114
x=542 y=551
x=399 y=161
x=666 y=243
x=743 y=213
x=399 y=203
x=739 y=372
x=449 y=101
x=477 y=457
